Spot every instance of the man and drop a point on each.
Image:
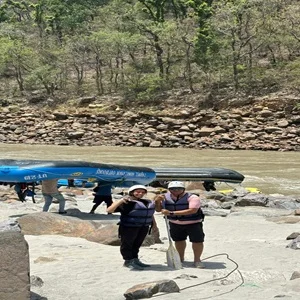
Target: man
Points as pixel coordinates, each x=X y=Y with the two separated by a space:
x=50 y=191
x=185 y=219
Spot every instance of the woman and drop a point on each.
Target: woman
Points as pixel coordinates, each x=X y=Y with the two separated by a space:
x=135 y=221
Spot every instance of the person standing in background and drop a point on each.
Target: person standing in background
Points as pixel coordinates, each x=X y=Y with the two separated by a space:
x=102 y=193
x=50 y=191
x=20 y=189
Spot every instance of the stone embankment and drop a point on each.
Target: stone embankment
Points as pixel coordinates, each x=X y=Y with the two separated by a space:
x=254 y=128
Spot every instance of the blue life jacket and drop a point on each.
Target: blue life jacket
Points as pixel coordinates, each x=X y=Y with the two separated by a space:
x=140 y=215
x=181 y=204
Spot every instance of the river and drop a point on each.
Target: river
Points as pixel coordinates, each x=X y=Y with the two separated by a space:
x=271 y=172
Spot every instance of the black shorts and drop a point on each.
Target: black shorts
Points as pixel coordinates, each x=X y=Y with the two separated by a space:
x=193 y=231
x=103 y=198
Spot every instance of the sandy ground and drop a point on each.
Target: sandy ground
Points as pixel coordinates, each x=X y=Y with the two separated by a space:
x=76 y=269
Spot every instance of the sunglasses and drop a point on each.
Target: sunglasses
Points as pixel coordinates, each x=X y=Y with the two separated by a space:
x=176 y=189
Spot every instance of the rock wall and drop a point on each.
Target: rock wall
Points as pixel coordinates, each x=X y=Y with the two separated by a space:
x=252 y=128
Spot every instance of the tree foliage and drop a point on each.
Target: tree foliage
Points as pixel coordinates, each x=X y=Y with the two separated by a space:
x=140 y=48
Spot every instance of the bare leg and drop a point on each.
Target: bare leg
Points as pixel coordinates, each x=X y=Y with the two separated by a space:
x=180 y=247
x=197 y=249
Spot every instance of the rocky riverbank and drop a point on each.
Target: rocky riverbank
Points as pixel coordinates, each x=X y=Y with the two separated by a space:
x=255 y=127
x=70 y=256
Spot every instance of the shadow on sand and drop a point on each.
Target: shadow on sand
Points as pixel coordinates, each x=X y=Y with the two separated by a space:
x=92 y=217
x=34 y=296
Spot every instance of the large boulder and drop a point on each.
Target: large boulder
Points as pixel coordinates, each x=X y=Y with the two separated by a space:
x=148 y=289
x=252 y=199
x=14 y=265
x=103 y=231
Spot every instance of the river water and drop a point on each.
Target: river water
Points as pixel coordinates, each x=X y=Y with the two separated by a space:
x=271 y=172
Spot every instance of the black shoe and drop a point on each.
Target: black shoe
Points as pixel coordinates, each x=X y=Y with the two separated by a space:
x=62 y=212
x=132 y=265
x=141 y=264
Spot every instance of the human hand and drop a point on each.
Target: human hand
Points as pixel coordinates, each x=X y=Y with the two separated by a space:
x=126 y=199
x=165 y=212
x=159 y=198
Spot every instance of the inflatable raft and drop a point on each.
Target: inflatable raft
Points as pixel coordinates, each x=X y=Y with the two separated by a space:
x=27 y=171
x=34 y=171
x=198 y=174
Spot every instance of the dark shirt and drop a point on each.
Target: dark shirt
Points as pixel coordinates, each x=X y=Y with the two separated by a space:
x=103 y=190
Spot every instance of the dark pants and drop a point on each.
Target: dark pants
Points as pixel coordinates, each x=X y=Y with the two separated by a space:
x=131 y=240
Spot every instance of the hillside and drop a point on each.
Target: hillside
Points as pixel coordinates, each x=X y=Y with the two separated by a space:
x=211 y=54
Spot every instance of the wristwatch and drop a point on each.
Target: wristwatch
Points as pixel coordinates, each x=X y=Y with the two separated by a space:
x=171 y=213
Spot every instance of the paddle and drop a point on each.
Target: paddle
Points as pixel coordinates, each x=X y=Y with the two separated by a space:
x=173 y=258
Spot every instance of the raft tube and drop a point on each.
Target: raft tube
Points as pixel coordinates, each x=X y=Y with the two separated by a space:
x=198 y=174
x=38 y=170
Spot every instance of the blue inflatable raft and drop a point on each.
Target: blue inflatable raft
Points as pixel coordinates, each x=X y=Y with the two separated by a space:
x=28 y=171
x=86 y=174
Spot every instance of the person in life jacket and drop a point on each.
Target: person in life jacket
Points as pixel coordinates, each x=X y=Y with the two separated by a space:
x=135 y=222
x=185 y=219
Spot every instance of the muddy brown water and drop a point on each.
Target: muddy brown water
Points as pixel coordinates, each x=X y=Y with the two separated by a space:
x=271 y=172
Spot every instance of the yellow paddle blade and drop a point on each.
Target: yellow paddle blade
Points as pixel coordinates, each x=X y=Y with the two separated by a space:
x=173 y=258
x=249 y=189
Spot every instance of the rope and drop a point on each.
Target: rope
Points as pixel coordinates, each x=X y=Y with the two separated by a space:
x=216 y=279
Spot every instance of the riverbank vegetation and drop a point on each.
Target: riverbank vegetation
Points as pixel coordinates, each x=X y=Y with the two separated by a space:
x=140 y=50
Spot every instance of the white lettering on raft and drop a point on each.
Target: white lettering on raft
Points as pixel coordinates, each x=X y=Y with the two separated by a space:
x=120 y=173
x=35 y=177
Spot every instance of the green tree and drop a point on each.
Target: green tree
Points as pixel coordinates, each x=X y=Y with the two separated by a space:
x=157 y=10
x=237 y=26
x=15 y=57
x=77 y=55
x=206 y=45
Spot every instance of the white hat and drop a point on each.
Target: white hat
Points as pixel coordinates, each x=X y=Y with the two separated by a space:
x=135 y=187
x=176 y=184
